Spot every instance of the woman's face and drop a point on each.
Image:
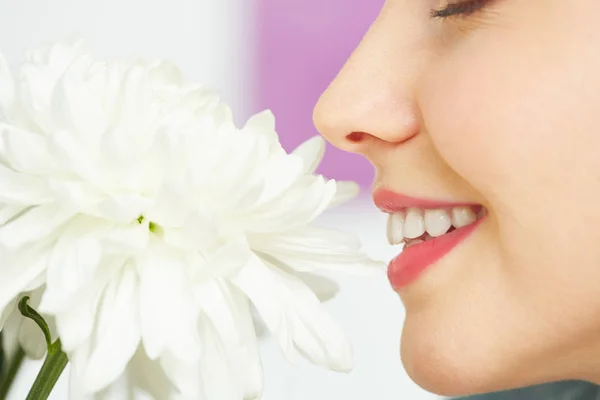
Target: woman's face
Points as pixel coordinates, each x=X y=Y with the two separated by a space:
x=500 y=107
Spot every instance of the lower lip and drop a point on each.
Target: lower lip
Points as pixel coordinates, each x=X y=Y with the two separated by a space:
x=414 y=260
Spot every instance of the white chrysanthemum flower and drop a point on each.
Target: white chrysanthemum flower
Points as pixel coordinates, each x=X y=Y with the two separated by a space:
x=153 y=225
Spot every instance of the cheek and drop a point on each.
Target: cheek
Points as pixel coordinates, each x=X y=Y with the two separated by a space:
x=520 y=128
x=522 y=131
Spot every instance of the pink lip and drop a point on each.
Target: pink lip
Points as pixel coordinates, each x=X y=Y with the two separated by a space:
x=414 y=260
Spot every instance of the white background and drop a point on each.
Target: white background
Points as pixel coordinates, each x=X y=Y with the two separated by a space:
x=211 y=41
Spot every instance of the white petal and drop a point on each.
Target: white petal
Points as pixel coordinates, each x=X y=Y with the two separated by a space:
x=226 y=261
x=22 y=189
x=127 y=238
x=230 y=314
x=78 y=361
x=74 y=155
x=186 y=377
x=36 y=282
x=53 y=59
x=313 y=249
x=328 y=190
x=38 y=76
x=7 y=89
x=34 y=225
x=148 y=376
x=35 y=86
x=218 y=379
x=298 y=206
x=345 y=191
x=167 y=309
x=119 y=145
x=237 y=184
x=75 y=323
x=19 y=269
x=113 y=77
x=71 y=268
x=311 y=152
x=57 y=56
x=169 y=208
x=296 y=316
x=262 y=121
x=123 y=209
x=9 y=211
x=135 y=96
x=77 y=194
x=78 y=99
x=198 y=232
x=121 y=389
x=6 y=312
x=25 y=151
x=280 y=174
x=164 y=73
x=197 y=96
x=245 y=198
x=324 y=288
x=263 y=124
x=223 y=115
x=117 y=333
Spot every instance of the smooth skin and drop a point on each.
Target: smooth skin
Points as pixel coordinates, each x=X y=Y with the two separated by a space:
x=499 y=108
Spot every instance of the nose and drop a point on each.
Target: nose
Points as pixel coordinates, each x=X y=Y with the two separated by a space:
x=371 y=102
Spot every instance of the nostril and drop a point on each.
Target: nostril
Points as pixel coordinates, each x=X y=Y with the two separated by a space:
x=356 y=137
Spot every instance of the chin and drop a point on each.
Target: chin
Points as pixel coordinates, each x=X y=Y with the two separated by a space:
x=451 y=367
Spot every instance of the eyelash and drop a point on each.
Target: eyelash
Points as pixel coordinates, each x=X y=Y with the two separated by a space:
x=460 y=9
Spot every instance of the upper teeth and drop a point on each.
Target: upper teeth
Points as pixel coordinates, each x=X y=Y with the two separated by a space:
x=415 y=222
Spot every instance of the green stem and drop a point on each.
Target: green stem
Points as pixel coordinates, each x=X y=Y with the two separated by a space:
x=11 y=373
x=53 y=366
x=55 y=362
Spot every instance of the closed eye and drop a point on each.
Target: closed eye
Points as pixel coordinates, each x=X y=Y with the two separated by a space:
x=459 y=8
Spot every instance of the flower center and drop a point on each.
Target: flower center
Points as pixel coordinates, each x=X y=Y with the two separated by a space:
x=152 y=226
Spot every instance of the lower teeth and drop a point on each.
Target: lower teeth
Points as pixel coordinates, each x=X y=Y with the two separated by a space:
x=413 y=242
x=420 y=239
x=424 y=237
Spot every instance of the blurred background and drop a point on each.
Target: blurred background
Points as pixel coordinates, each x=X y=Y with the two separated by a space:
x=275 y=54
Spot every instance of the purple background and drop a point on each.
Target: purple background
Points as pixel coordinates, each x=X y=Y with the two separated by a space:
x=302 y=44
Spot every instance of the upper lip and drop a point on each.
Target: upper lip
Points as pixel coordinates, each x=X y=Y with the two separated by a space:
x=392 y=202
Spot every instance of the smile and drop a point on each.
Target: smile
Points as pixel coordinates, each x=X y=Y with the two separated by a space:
x=428 y=229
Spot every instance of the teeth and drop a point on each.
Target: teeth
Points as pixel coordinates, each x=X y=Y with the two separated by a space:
x=420 y=225
x=414 y=242
x=437 y=222
x=414 y=224
x=462 y=216
x=394 y=228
